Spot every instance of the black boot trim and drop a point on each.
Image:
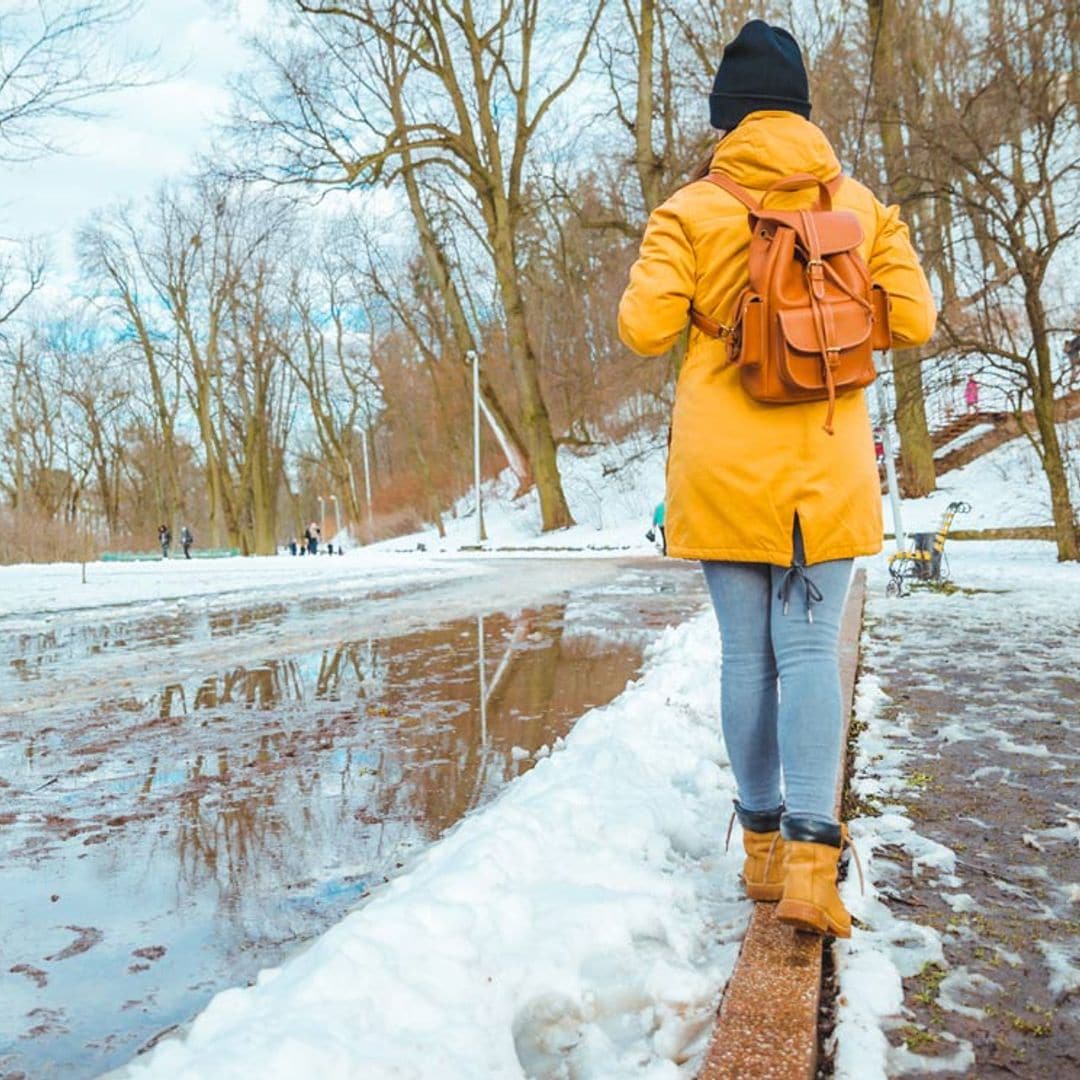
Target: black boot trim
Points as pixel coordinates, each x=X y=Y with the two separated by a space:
x=802 y=827
x=758 y=820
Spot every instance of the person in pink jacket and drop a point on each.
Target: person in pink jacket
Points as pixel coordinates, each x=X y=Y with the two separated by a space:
x=971 y=395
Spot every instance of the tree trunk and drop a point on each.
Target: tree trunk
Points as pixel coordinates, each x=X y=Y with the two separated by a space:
x=1053 y=461
x=650 y=168
x=554 y=512
x=916 y=449
x=1065 y=532
x=438 y=267
x=917 y=476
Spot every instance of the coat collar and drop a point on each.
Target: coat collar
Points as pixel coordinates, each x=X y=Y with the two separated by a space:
x=769 y=145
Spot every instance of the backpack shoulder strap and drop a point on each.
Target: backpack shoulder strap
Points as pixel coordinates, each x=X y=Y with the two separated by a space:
x=721 y=181
x=733 y=189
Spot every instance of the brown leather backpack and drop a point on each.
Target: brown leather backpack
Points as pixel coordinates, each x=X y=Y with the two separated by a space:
x=806 y=326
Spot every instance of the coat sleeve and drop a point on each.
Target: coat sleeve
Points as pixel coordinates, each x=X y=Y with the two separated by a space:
x=656 y=304
x=894 y=265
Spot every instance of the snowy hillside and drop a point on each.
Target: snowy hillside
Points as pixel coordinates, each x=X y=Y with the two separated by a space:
x=612 y=494
x=1004 y=487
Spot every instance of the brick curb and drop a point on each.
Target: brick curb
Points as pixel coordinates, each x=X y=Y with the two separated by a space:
x=767 y=1024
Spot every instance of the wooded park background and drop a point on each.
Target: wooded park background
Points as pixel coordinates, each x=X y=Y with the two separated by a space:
x=403 y=182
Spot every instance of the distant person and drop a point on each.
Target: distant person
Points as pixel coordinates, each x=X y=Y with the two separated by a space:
x=656 y=534
x=186 y=540
x=879 y=445
x=971 y=395
x=294 y=543
x=164 y=539
x=311 y=536
x=773 y=506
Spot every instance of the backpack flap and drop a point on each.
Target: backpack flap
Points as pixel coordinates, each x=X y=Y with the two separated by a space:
x=837 y=230
x=847 y=329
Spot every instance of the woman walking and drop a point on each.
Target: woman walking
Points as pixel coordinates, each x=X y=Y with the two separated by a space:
x=774 y=507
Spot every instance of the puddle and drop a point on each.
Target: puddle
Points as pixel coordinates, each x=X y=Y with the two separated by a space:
x=159 y=844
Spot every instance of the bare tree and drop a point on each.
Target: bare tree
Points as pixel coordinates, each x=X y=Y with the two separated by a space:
x=56 y=58
x=462 y=89
x=22 y=273
x=115 y=252
x=1011 y=179
x=897 y=89
x=201 y=287
x=332 y=360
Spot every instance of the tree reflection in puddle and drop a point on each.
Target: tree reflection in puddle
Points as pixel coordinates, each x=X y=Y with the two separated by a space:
x=203 y=831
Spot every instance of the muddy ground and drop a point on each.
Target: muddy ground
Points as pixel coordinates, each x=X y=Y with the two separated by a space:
x=991 y=702
x=187 y=796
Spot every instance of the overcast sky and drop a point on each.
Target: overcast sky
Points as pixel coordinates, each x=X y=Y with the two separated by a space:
x=143 y=136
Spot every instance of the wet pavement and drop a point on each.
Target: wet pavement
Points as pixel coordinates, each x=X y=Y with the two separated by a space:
x=982 y=687
x=187 y=797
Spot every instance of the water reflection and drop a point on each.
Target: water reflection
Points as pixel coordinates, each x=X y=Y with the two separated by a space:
x=202 y=828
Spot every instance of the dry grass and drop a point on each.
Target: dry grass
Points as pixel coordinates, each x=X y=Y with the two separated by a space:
x=27 y=536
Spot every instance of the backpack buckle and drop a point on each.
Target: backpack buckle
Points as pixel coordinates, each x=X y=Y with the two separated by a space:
x=815 y=271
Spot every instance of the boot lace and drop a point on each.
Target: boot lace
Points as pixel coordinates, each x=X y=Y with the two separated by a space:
x=847 y=845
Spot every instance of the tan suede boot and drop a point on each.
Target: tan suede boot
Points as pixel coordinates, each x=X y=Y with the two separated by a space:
x=763 y=870
x=810 y=898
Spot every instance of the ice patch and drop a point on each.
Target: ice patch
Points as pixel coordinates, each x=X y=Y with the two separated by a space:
x=961 y=981
x=1009 y=746
x=960 y=902
x=902 y=1060
x=955 y=732
x=1013 y=959
x=1063 y=960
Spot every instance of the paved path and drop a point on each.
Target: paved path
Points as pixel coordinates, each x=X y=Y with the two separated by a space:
x=984 y=693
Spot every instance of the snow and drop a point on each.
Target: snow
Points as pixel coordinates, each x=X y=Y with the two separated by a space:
x=611 y=495
x=35 y=590
x=585 y=922
x=887 y=947
x=1012 y=468
x=1064 y=967
x=968 y=436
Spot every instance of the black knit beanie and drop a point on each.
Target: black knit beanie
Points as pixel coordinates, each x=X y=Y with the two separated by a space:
x=761 y=69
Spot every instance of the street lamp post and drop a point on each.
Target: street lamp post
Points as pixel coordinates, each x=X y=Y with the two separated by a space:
x=322 y=512
x=481 y=535
x=337 y=515
x=367 y=476
x=890 y=461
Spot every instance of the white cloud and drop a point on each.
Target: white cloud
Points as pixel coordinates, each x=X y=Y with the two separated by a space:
x=142 y=136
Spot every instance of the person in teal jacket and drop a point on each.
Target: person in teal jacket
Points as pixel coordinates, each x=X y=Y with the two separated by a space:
x=657 y=529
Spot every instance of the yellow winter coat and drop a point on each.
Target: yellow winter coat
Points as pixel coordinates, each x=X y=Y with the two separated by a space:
x=739 y=471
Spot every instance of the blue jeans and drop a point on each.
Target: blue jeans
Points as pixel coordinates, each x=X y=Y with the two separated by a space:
x=780 y=699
